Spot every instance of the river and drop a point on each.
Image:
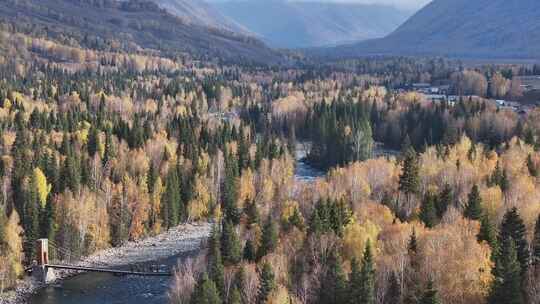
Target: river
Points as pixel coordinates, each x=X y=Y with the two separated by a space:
x=103 y=288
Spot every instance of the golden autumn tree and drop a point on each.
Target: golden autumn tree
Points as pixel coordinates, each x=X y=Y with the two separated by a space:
x=42 y=187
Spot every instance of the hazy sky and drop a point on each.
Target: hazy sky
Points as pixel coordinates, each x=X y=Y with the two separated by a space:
x=408 y=4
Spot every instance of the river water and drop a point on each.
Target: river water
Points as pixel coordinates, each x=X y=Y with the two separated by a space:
x=103 y=288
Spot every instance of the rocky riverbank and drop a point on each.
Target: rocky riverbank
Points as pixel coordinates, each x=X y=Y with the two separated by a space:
x=184 y=238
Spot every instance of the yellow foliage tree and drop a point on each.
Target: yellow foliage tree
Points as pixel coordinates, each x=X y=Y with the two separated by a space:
x=198 y=207
x=42 y=187
x=355 y=238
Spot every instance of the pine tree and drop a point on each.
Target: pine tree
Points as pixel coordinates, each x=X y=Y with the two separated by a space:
x=393 y=292
x=205 y=292
x=487 y=232
x=506 y=288
x=536 y=243
x=355 y=283
x=267 y=283
x=513 y=227
x=93 y=141
x=250 y=253
x=269 y=238
x=473 y=210
x=409 y=180
x=215 y=261
x=367 y=290
x=444 y=200
x=333 y=287
x=428 y=212
x=235 y=297
x=172 y=197
x=531 y=166
x=230 y=244
x=430 y=295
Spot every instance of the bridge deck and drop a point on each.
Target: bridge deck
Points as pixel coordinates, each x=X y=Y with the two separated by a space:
x=114 y=271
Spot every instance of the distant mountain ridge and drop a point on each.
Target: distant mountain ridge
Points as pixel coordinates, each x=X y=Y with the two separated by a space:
x=506 y=29
x=291 y=24
x=130 y=25
x=201 y=13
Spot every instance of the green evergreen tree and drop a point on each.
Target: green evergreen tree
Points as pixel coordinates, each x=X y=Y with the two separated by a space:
x=444 y=200
x=267 y=283
x=250 y=253
x=205 y=292
x=172 y=197
x=367 y=290
x=93 y=141
x=473 y=210
x=333 y=287
x=506 y=288
x=513 y=227
x=536 y=243
x=487 y=232
x=235 y=296
x=316 y=225
x=409 y=180
x=393 y=292
x=428 y=212
x=215 y=261
x=230 y=244
x=269 y=239
x=430 y=295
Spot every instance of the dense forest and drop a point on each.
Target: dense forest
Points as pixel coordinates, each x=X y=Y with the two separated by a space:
x=144 y=141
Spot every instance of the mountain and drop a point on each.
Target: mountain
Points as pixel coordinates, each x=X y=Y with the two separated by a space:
x=288 y=24
x=129 y=26
x=489 y=29
x=201 y=13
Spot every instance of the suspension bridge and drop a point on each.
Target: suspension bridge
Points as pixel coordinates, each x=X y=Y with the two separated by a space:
x=50 y=256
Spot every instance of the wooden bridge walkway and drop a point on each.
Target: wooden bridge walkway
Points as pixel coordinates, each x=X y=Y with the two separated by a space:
x=113 y=271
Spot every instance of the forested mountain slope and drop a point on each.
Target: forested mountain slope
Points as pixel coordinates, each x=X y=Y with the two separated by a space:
x=290 y=24
x=462 y=28
x=128 y=26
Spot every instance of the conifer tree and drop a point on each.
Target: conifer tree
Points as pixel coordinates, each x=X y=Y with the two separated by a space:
x=473 y=210
x=333 y=287
x=93 y=141
x=393 y=292
x=513 y=227
x=230 y=244
x=205 y=292
x=409 y=180
x=430 y=294
x=171 y=210
x=487 y=232
x=267 y=283
x=536 y=243
x=269 y=239
x=215 y=261
x=235 y=296
x=444 y=200
x=367 y=294
x=355 y=282
x=506 y=288
x=428 y=212
x=250 y=253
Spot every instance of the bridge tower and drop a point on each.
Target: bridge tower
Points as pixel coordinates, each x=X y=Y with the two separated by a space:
x=42 y=252
x=40 y=270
